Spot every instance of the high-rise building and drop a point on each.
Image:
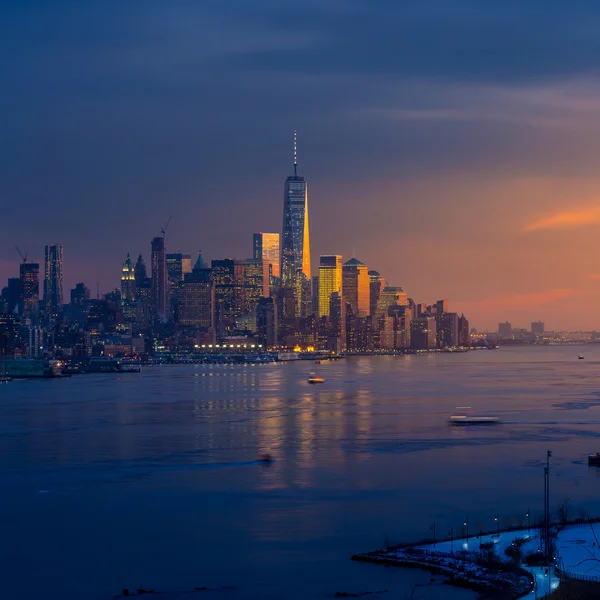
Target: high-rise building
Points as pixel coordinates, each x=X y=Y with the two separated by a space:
x=30 y=291
x=159 y=278
x=295 y=242
x=376 y=285
x=143 y=294
x=337 y=316
x=196 y=297
x=356 y=287
x=80 y=294
x=390 y=296
x=228 y=277
x=537 y=327
x=140 y=270
x=266 y=322
x=266 y=248
x=464 y=338
x=128 y=297
x=178 y=265
x=53 y=281
x=422 y=333
x=12 y=295
x=330 y=281
x=256 y=282
x=505 y=330
x=447 y=329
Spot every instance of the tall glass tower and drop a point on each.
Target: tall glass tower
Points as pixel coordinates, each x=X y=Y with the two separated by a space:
x=53 y=281
x=295 y=246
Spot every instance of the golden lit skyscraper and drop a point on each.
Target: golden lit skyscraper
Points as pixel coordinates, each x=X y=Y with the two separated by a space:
x=266 y=248
x=356 y=286
x=330 y=281
x=295 y=242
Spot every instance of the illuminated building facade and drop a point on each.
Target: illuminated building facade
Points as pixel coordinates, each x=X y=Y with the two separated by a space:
x=356 y=286
x=256 y=282
x=53 y=281
x=266 y=248
x=228 y=277
x=266 y=322
x=295 y=243
x=128 y=298
x=30 y=291
x=330 y=281
x=196 y=298
x=376 y=285
x=422 y=333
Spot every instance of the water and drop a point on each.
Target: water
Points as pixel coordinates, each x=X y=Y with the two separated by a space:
x=116 y=481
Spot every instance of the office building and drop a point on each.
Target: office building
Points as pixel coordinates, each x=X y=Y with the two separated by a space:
x=266 y=322
x=256 y=282
x=229 y=278
x=505 y=330
x=295 y=242
x=159 y=278
x=128 y=291
x=423 y=333
x=30 y=291
x=356 y=286
x=376 y=285
x=330 y=281
x=53 y=281
x=446 y=329
x=178 y=265
x=464 y=338
x=196 y=297
x=537 y=328
x=266 y=248
x=390 y=296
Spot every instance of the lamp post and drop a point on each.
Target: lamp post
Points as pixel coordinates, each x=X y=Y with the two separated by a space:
x=466 y=524
x=528 y=522
x=497 y=519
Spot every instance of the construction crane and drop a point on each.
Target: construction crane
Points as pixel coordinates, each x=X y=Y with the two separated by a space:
x=164 y=229
x=23 y=256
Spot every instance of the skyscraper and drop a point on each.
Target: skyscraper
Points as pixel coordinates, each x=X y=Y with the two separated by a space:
x=53 y=281
x=128 y=290
x=256 y=282
x=228 y=277
x=178 y=265
x=266 y=248
x=330 y=281
x=30 y=290
x=196 y=299
x=295 y=244
x=159 y=278
x=356 y=286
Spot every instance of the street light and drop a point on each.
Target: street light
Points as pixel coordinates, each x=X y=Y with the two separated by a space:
x=466 y=524
x=528 y=522
x=497 y=519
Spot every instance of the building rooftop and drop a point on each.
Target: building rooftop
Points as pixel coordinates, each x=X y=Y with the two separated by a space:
x=353 y=262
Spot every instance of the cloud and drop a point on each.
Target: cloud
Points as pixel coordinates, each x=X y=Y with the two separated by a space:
x=521 y=301
x=566 y=220
x=594 y=276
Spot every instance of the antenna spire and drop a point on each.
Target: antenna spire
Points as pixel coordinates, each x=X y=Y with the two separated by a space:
x=295 y=155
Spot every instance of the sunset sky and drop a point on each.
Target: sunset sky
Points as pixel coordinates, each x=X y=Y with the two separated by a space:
x=454 y=146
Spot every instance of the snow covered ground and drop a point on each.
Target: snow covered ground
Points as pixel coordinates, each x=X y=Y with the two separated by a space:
x=544 y=583
x=578 y=550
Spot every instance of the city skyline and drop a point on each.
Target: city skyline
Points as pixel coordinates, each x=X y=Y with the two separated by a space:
x=473 y=168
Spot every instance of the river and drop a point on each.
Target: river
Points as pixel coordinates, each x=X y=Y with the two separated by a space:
x=152 y=479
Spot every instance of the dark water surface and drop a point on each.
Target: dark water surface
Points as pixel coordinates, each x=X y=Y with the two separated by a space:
x=116 y=481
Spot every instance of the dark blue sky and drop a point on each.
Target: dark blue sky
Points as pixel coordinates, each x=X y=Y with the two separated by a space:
x=432 y=134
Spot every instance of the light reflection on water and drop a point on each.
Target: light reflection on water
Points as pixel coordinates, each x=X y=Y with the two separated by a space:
x=154 y=478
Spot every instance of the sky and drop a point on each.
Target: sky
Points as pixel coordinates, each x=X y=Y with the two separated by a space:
x=451 y=145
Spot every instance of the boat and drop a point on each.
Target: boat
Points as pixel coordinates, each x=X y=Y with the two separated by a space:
x=581 y=357
x=594 y=459
x=473 y=419
x=314 y=379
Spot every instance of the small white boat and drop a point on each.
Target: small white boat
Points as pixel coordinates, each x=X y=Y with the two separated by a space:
x=316 y=380
x=473 y=419
x=581 y=357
